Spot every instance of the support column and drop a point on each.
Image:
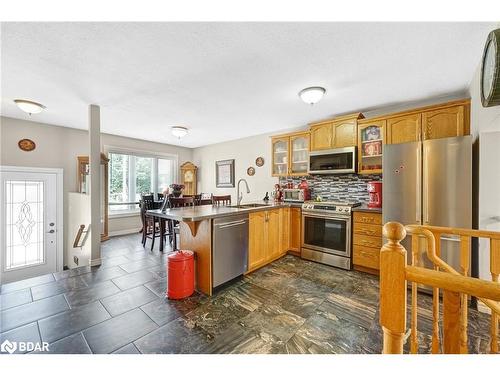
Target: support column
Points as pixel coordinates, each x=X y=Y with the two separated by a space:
x=95 y=183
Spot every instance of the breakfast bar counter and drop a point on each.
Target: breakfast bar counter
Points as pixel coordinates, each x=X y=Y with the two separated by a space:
x=196 y=232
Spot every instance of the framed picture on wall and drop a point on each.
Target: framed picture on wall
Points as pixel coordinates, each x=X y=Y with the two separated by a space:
x=224 y=173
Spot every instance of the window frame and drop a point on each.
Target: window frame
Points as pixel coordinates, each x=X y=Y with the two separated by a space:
x=154 y=180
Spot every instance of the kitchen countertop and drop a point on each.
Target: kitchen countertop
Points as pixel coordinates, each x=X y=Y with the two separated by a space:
x=199 y=213
x=365 y=208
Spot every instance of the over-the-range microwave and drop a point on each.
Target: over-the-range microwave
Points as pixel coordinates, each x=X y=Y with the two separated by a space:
x=333 y=161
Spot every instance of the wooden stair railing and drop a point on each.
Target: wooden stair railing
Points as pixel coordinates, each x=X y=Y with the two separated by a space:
x=394 y=274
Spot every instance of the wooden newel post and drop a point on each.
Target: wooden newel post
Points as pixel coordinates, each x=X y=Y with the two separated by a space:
x=393 y=288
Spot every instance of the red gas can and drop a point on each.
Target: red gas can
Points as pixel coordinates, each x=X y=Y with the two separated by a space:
x=375 y=194
x=180 y=270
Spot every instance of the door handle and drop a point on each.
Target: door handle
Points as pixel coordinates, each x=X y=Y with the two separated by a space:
x=419 y=186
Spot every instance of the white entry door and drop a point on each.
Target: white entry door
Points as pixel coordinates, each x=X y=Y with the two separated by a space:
x=29 y=222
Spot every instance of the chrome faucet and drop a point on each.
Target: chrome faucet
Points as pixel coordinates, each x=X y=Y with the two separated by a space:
x=238 y=195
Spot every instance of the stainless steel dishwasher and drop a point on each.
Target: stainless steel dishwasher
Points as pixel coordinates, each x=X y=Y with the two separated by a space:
x=230 y=248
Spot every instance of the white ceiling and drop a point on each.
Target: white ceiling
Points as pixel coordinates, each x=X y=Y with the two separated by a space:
x=227 y=80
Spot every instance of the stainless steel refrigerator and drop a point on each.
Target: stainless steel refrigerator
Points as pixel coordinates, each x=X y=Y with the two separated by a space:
x=429 y=183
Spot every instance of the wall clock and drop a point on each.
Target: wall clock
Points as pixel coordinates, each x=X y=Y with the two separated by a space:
x=26 y=144
x=490 y=70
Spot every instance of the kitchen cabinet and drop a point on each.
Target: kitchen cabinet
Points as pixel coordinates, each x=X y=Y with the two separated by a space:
x=438 y=121
x=445 y=122
x=280 y=156
x=299 y=154
x=265 y=237
x=345 y=132
x=404 y=129
x=295 y=229
x=257 y=239
x=321 y=136
x=290 y=154
x=367 y=241
x=285 y=229
x=370 y=140
x=335 y=133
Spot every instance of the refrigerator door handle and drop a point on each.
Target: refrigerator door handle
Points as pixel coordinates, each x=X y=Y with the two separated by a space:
x=426 y=188
x=418 y=215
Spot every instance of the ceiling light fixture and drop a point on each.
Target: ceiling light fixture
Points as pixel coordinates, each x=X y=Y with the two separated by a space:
x=29 y=107
x=179 y=131
x=312 y=95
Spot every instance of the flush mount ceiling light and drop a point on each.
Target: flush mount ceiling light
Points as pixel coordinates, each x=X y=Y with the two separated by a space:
x=179 y=131
x=28 y=106
x=312 y=95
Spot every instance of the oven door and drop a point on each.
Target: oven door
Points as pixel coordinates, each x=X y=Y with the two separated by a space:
x=327 y=233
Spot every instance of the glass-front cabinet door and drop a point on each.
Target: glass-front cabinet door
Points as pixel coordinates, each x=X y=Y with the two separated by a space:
x=299 y=154
x=370 y=138
x=280 y=156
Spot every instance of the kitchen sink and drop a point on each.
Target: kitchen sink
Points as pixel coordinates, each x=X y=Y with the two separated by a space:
x=250 y=205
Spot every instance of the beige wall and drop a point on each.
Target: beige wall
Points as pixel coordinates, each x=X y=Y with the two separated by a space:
x=244 y=151
x=58 y=147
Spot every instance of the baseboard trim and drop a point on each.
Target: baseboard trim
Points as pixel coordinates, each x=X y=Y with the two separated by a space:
x=124 y=232
x=95 y=262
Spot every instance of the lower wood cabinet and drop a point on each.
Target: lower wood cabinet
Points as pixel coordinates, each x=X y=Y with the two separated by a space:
x=367 y=241
x=271 y=234
x=295 y=229
x=265 y=237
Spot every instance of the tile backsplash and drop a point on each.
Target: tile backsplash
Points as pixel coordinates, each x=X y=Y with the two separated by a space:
x=349 y=187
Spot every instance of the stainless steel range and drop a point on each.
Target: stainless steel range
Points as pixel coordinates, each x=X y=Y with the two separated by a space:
x=326 y=232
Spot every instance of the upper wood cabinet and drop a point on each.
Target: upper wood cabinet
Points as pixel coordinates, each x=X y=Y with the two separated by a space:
x=437 y=121
x=403 y=129
x=345 y=133
x=290 y=154
x=299 y=154
x=370 y=141
x=321 y=136
x=335 y=133
x=280 y=151
x=445 y=122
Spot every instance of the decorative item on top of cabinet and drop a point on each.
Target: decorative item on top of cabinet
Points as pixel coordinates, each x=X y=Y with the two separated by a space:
x=83 y=187
x=367 y=241
x=188 y=177
x=290 y=154
x=335 y=133
x=370 y=140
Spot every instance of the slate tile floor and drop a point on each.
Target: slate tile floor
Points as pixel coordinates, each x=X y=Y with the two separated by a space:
x=290 y=306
